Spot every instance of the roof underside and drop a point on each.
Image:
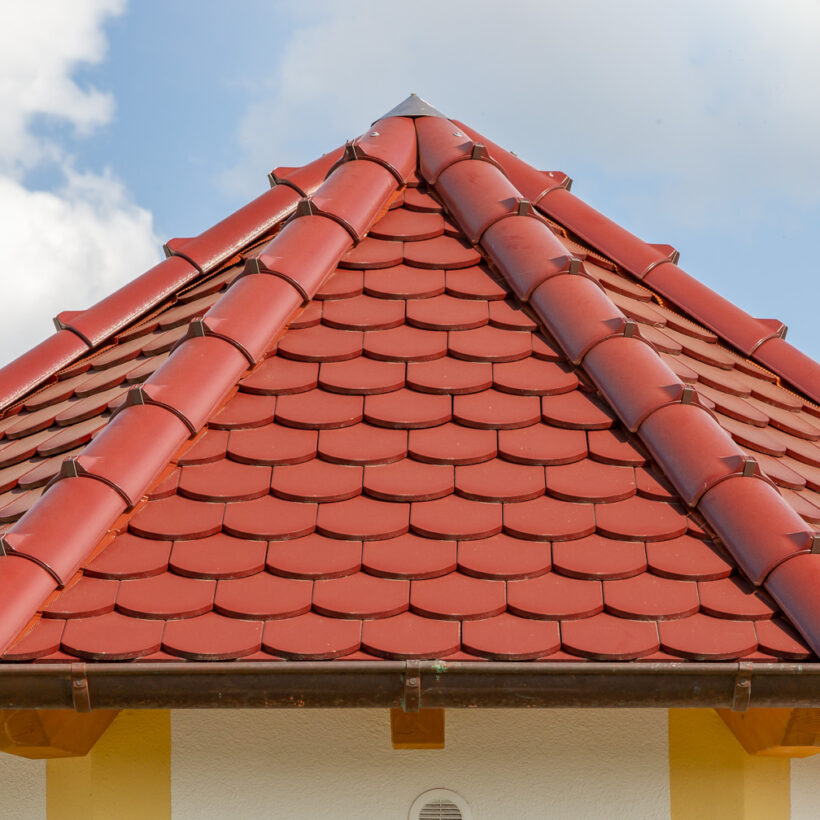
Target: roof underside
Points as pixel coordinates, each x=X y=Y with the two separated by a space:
x=421 y=421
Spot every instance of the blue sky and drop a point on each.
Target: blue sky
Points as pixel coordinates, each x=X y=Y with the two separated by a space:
x=126 y=124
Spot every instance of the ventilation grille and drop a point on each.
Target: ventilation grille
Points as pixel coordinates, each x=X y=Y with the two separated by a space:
x=440 y=809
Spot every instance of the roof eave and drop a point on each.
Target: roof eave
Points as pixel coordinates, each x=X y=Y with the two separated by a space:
x=408 y=684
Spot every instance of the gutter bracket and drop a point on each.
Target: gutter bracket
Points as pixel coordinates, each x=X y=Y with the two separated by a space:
x=742 y=695
x=411 y=697
x=80 y=696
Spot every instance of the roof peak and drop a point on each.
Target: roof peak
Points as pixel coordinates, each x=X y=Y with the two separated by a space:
x=413 y=106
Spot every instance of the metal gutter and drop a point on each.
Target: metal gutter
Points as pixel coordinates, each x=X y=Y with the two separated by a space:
x=407 y=684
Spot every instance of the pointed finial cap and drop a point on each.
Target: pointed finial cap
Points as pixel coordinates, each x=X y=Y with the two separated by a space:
x=413 y=106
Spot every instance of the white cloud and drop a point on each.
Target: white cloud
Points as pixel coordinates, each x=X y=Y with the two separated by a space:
x=68 y=247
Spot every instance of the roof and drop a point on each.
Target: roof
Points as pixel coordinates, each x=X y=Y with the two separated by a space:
x=418 y=401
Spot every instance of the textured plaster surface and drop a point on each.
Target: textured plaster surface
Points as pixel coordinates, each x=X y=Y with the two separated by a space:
x=22 y=788
x=339 y=763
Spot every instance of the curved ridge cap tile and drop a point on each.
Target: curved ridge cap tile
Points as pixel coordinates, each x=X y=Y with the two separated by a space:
x=441 y=144
x=524 y=253
x=756 y=525
x=193 y=380
x=476 y=194
x=711 y=309
x=38 y=365
x=252 y=313
x=354 y=194
x=794 y=585
x=304 y=253
x=390 y=141
x=131 y=451
x=114 y=312
x=791 y=364
x=307 y=178
x=234 y=233
x=632 y=377
x=693 y=451
x=532 y=183
x=24 y=585
x=65 y=525
x=577 y=312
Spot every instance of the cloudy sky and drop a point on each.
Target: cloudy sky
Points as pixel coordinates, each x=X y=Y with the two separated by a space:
x=124 y=124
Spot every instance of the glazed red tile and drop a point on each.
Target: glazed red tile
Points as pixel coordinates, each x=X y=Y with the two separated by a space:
x=733 y=406
x=455 y=517
x=112 y=637
x=9 y=476
x=474 y=283
x=183 y=313
x=663 y=344
x=489 y=344
x=55 y=392
x=576 y=410
x=269 y=518
x=595 y=557
x=409 y=636
x=104 y=379
x=533 y=377
x=809 y=473
x=224 y=481
x=405 y=344
x=801 y=449
x=407 y=409
x=796 y=424
x=509 y=315
x=554 y=597
x=309 y=316
x=409 y=556
x=647 y=597
x=312 y=637
x=607 y=638
x=42 y=639
x=549 y=519
x=806 y=504
x=759 y=439
x=452 y=444
x=408 y=225
x=129 y=556
x=44 y=471
x=652 y=485
x=16 y=451
x=499 y=480
x=272 y=444
x=698 y=349
x=408 y=480
x=588 y=480
x=363 y=519
x=20 y=504
x=211 y=637
x=771 y=393
x=263 y=596
x=160 y=342
x=701 y=637
x=542 y=444
x=403 y=282
x=442 y=252
x=219 y=556
x=73 y=436
x=503 y=558
x=735 y=598
x=321 y=344
x=507 y=637
x=316 y=481
x=210 y=445
x=361 y=596
x=448 y=375
x=319 y=410
x=362 y=444
x=84 y=599
x=494 y=409
x=341 y=284
x=728 y=381
x=26 y=424
x=687 y=558
x=175 y=518
x=779 y=471
x=277 y=375
x=165 y=596
x=244 y=410
x=314 y=556
x=416 y=199
x=363 y=313
x=457 y=597
x=451 y=229
x=777 y=637
x=374 y=253
x=447 y=313
x=640 y=519
x=637 y=309
x=546 y=349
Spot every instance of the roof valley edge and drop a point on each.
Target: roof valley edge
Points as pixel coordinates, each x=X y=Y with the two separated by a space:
x=333 y=204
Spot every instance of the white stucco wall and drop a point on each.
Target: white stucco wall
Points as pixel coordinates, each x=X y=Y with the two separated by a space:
x=805 y=777
x=22 y=788
x=339 y=764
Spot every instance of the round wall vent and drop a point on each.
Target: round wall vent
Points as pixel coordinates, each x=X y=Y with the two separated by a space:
x=440 y=804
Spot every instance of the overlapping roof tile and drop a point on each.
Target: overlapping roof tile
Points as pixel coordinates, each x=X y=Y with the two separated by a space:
x=418 y=401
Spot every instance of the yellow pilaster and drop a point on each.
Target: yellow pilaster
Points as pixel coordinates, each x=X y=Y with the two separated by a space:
x=711 y=775
x=126 y=775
